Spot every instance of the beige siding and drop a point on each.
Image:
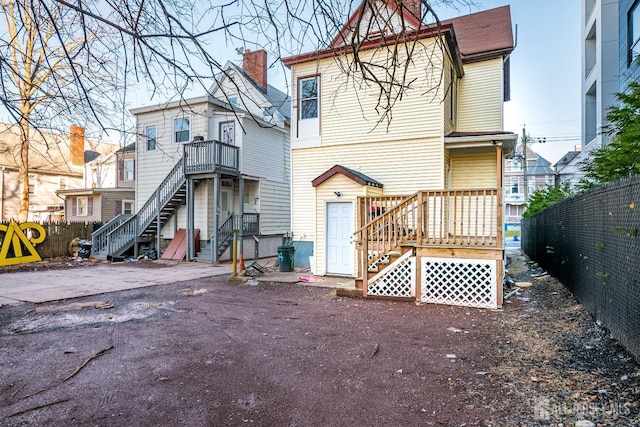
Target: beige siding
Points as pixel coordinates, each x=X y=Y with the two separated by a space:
x=480 y=105
x=325 y=192
x=109 y=199
x=96 y=209
x=473 y=170
x=403 y=168
x=348 y=112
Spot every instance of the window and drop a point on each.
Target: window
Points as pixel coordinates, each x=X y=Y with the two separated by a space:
x=63 y=183
x=127 y=207
x=181 y=128
x=82 y=206
x=633 y=23
x=516 y=165
x=227 y=133
x=151 y=134
x=81 y=209
x=309 y=98
x=515 y=187
x=33 y=180
x=129 y=170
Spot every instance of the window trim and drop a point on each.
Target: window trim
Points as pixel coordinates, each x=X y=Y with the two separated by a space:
x=33 y=182
x=124 y=202
x=85 y=212
x=125 y=176
x=147 y=138
x=515 y=184
x=175 y=131
x=231 y=124
x=315 y=77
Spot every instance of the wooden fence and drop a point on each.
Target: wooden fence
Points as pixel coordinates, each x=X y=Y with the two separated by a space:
x=59 y=235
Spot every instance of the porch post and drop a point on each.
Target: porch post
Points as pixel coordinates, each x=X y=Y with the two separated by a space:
x=364 y=255
x=419 y=241
x=216 y=215
x=500 y=237
x=500 y=210
x=158 y=227
x=189 y=240
x=241 y=210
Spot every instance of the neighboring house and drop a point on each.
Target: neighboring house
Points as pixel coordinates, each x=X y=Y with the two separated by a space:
x=411 y=208
x=108 y=188
x=540 y=175
x=55 y=163
x=602 y=64
x=567 y=171
x=215 y=164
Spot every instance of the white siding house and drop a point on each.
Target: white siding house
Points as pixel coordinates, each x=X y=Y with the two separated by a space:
x=215 y=163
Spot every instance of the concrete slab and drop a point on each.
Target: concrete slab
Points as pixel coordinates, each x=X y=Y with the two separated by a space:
x=304 y=278
x=52 y=285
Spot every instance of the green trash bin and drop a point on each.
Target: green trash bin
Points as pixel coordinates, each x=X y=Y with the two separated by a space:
x=285 y=257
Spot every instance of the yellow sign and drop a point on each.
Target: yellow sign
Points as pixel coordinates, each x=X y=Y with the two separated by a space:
x=15 y=243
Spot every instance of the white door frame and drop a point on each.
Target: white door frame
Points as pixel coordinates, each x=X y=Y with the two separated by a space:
x=350 y=256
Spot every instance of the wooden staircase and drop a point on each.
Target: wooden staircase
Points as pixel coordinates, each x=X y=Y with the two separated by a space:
x=397 y=232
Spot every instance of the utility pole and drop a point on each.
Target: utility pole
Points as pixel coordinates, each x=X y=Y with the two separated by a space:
x=524 y=164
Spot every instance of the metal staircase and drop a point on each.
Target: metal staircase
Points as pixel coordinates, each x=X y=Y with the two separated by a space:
x=123 y=232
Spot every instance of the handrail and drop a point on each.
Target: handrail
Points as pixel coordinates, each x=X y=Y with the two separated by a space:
x=386 y=231
x=461 y=217
x=249 y=223
x=99 y=237
x=211 y=156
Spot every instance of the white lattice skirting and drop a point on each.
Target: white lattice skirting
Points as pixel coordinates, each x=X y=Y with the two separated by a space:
x=398 y=280
x=465 y=282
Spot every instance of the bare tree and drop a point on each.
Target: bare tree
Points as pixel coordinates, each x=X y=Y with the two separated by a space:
x=72 y=59
x=54 y=70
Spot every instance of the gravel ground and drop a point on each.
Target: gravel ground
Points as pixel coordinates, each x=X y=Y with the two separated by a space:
x=222 y=352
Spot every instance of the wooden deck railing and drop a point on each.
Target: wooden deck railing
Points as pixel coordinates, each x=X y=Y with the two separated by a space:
x=460 y=218
x=211 y=156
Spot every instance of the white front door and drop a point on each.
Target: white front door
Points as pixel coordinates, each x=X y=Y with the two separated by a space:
x=339 y=238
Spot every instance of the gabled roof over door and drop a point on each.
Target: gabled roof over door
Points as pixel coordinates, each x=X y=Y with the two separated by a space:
x=356 y=176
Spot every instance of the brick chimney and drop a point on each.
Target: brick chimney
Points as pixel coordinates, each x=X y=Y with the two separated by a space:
x=414 y=7
x=255 y=64
x=76 y=138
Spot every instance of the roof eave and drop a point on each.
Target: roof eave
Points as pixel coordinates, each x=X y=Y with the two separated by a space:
x=424 y=33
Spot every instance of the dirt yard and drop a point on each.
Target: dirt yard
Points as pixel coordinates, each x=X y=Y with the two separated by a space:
x=220 y=352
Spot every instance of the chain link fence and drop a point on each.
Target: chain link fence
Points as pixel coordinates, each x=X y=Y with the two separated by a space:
x=590 y=242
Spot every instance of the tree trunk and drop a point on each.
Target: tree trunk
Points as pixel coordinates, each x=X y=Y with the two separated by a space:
x=23 y=166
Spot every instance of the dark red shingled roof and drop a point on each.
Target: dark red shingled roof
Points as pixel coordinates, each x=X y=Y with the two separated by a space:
x=483 y=34
x=479 y=36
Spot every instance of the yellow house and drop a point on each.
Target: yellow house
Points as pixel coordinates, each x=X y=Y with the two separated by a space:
x=398 y=149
